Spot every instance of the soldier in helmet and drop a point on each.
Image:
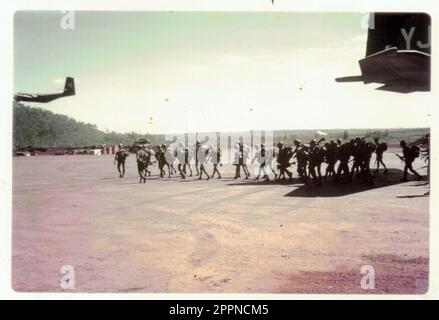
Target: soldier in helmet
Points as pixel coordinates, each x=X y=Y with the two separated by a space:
x=270 y=156
x=203 y=157
x=169 y=158
x=330 y=156
x=143 y=160
x=216 y=160
x=339 y=142
x=160 y=156
x=261 y=157
x=283 y=159
x=358 y=154
x=380 y=148
x=315 y=159
x=409 y=156
x=180 y=156
x=369 y=149
x=344 y=152
x=241 y=156
x=301 y=155
x=120 y=158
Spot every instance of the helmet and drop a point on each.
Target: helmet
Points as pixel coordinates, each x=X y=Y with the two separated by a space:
x=280 y=144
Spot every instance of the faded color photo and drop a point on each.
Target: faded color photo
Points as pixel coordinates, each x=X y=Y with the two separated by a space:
x=221 y=152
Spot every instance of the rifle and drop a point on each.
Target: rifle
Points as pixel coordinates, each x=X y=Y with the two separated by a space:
x=400 y=157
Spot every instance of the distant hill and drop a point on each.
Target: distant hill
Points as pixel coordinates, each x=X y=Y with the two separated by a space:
x=41 y=128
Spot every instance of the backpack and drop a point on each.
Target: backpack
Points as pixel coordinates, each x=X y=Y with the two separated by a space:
x=371 y=147
x=415 y=151
x=383 y=146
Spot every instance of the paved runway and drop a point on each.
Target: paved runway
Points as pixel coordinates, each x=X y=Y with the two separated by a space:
x=173 y=235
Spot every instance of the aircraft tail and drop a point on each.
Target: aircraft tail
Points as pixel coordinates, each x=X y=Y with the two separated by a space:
x=69 y=88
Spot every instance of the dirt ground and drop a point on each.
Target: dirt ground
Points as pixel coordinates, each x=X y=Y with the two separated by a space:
x=173 y=235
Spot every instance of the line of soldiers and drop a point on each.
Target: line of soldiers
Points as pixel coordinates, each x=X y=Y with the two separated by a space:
x=308 y=158
x=167 y=157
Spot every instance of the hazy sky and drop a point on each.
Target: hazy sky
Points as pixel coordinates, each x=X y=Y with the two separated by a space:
x=162 y=72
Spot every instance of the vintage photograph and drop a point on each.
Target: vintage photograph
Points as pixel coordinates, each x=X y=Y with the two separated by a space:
x=221 y=152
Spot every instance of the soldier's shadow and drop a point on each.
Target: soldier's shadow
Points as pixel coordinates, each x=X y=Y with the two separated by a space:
x=330 y=189
x=260 y=182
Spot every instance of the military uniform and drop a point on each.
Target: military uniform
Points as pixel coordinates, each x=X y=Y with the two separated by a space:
x=241 y=155
x=161 y=160
x=315 y=159
x=187 y=161
x=301 y=155
x=180 y=155
x=380 y=148
x=330 y=155
x=343 y=155
x=203 y=158
x=143 y=160
x=120 y=157
x=358 y=153
x=261 y=156
x=283 y=160
x=408 y=158
x=216 y=160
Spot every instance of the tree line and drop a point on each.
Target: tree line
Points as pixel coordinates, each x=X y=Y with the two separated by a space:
x=42 y=128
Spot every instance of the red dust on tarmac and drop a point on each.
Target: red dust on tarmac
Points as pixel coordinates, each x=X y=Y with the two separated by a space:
x=218 y=236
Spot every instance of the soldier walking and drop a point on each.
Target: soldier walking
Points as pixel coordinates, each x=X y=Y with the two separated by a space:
x=143 y=160
x=330 y=155
x=203 y=156
x=379 y=151
x=409 y=156
x=283 y=160
x=216 y=160
x=187 y=161
x=261 y=157
x=161 y=160
x=120 y=158
x=343 y=155
x=181 y=158
x=241 y=155
x=315 y=159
